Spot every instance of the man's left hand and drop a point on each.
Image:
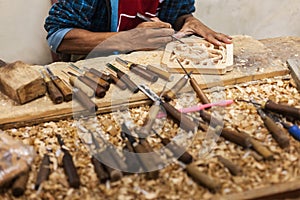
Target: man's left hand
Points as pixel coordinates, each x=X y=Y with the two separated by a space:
x=193 y=26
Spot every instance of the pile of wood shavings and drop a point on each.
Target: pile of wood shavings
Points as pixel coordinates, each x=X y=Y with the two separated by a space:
x=173 y=182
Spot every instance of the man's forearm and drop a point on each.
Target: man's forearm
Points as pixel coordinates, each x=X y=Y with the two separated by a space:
x=79 y=41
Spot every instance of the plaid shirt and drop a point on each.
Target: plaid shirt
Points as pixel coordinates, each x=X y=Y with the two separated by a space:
x=94 y=15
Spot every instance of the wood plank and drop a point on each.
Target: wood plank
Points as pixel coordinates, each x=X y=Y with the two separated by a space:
x=279 y=191
x=294 y=65
x=252 y=61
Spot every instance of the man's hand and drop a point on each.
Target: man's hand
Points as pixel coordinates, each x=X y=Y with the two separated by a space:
x=193 y=26
x=135 y=39
x=154 y=23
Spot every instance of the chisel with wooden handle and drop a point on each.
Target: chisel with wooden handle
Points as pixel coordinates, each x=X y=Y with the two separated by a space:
x=184 y=122
x=44 y=171
x=118 y=82
x=277 y=132
x=65 y=90
x=75 y=82
x=285 y=110
x=54 y=93
x=69 y=166
x=171 y=94
x=99 y=81
x=200 y=94
x=101 y=75
x=161 y=73
x=138 y=70
x=178 y=151
x=99 y=91
x=125 y=78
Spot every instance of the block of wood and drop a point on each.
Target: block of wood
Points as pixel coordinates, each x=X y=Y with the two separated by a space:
x=21 y=82
x=199 y=56
x=294 y=65
x=2 y=63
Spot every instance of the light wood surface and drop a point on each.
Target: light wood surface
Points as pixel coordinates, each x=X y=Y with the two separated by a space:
x=252 y=61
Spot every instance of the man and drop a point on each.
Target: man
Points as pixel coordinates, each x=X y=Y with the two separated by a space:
x=82 y=26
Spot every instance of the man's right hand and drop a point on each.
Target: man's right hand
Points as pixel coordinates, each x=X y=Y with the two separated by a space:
x=136 y=39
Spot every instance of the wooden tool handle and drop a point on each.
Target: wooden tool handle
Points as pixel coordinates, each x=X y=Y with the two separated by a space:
x=102 y=83
x=178 y=152
x=117 y=158
x=200 y=94
x=100 y=75
x=152 y=114
x=171 y=94
x=161 y=73
x=75 y=82
x=147 y=75
x=202 y=178
x=99 y=170
x=156 y=159
x=131 y=85
x=99 y=91
x=207 y=117
x=54 y=93
x=119 y=83
x=184 y=122
x=147 y=163
x=114 y=174
x=286 y=110
x=19 y=185
x=132 y=161
x=236 y=137
x=277 y=132
x=70 y=170
x=84 y=100
x=44 y=171
x=262 y=150
x=233 y=168
x=64 y=89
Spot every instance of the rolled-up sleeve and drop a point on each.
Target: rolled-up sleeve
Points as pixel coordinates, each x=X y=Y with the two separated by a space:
x=56 y=38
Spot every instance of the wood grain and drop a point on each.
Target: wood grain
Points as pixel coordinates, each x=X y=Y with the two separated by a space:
x=294 y=65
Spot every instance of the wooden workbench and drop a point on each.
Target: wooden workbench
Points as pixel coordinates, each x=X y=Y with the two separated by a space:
x=253 y=61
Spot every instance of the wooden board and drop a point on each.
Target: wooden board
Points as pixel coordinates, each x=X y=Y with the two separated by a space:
x=252 y=62
x=294 y=65
x=289 y=190
x=199 y=56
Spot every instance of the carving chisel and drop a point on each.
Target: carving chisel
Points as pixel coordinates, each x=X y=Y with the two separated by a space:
x=54 y=93
x=178 y=151
x=75 y=82
x=124 y=77
x=276 y=131
x=201 y=95
x=65 y=90
x=118 y=82
x=101 y=75
x=170 y=94
x=99 y=91
x=161 y=73
x=68 y=165
x=44 y=171
x=147 y=19
x=102 y=83
x=184 y=122
x=138 y=70
x=285 y=110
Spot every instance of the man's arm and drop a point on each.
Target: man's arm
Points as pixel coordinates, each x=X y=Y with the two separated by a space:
x=80 y=41
x=188 y=24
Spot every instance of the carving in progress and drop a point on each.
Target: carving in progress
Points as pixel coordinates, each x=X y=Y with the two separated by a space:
x=199 y=56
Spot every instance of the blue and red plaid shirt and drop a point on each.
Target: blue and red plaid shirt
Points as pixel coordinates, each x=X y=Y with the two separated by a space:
x=95 y=15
